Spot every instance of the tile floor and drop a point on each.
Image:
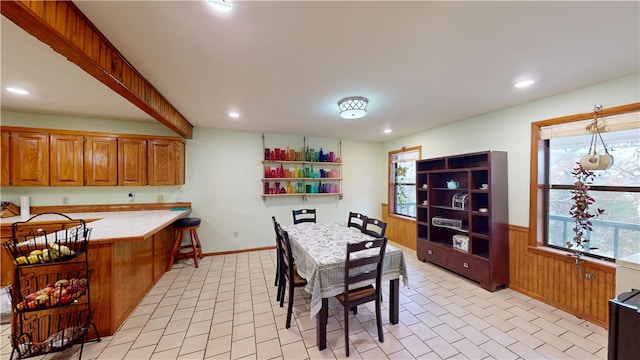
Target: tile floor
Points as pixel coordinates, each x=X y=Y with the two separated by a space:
x=226 y=309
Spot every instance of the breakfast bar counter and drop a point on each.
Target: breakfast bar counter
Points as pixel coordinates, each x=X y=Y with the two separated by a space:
x=128 y=253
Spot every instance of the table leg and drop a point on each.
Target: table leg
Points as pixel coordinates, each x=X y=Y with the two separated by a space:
x=394 y=302
x=321 y=328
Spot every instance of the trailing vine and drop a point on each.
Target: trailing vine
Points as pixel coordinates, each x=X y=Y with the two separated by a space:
x=582 y=214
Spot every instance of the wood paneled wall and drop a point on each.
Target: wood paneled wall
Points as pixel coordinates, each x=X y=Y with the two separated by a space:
x=399 y=230
x=552 y=277
x=544 y=274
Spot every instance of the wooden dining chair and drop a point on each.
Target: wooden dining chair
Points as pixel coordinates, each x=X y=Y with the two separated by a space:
x=356 y=220
x=304 y=215
x=278 y=259
x=363 y=263
x=289 y=279
x=374 y=227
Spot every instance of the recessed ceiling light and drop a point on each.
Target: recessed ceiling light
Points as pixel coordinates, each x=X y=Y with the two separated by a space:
x=17 y=91
x=524 y=83
x=234 y=114
x=221 y=5
x=387 y=131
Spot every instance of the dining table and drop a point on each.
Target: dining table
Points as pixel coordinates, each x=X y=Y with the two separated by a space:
x=319 y=251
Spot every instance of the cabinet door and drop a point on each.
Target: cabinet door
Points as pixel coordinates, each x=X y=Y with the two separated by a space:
x=6 y=164
x=132 y=162
x=29 y=158
x=66 y=162
x=101 y=161
x=180 y=162
x=161 y=161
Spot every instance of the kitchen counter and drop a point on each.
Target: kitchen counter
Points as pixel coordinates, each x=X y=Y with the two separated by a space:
x=111 y=226
x=128 y=253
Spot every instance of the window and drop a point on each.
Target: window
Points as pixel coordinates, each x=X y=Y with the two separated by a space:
x=402 y=181
x=616 y=190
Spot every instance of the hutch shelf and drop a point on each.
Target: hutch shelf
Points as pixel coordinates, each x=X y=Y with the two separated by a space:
x=462 y=215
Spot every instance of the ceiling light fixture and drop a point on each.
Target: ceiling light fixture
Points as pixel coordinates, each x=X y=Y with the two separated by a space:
x=387 y=131
x=17 y=91
x=222 y=5
x=353 y=107
x=234 y=114
x=524 y=83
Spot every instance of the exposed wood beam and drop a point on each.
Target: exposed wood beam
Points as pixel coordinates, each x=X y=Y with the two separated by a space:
x=61 y=25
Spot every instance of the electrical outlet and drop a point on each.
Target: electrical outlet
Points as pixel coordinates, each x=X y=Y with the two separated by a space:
x=65 y=200
x=132 y=197
x=235 y=234
x=159 y=198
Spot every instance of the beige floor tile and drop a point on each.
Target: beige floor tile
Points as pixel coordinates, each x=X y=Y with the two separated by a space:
x=497 y=351
x=499 y=336
x=192 y=355
x=294 y=350
x=525 y=338
x=403 y=355
x=415 y=346
x=268 y=349
x=243 y=331
x=147 y=338
x=140 y=353
x=170 y=341
x=156 y=323
x=115 y=352
x=577 y=352
x=584 y=343
x=469 y=349
x=198 y=328
x=442 y=347
x=194 y=343
x=222 y=316
x=219 y=345
x=422 y=331
x=242 y=348
x=524 y=352
x=177 y=326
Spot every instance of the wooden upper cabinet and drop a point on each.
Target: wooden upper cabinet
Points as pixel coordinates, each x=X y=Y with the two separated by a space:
x=66 y=162
x=5 y=155
x=132 y=162
x=29 y=158
x=180 y=162
x=101 y=161
x=161 y=161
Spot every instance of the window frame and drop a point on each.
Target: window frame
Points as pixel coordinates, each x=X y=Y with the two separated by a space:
x=391 y=184
x=538 y=215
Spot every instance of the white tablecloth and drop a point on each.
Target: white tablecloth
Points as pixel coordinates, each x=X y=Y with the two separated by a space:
x=319 y=250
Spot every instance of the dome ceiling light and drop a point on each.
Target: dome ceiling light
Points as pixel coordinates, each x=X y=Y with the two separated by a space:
x=353 y=107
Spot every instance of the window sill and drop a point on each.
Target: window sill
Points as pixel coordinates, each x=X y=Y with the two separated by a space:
x=564 y=255
x=403 y=218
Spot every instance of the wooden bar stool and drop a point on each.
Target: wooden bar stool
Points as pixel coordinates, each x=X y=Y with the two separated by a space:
x=180 y=226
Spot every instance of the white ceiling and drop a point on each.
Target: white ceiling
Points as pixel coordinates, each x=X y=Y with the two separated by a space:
x=284 y=65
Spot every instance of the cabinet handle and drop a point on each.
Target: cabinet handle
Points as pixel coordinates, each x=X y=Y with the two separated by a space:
x=430 y=252
x=465 y=265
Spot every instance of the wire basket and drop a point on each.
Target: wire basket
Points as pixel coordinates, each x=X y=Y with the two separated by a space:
x=46 y=242
x=56 y=331
x=37 y=291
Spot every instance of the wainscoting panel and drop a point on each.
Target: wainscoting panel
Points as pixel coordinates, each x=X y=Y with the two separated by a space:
x=399 y=229
x=552 y=277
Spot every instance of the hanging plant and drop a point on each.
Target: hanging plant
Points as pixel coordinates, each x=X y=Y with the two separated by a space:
x=582 y=213
x=401 y=172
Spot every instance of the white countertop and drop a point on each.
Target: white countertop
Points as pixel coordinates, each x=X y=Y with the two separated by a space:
x=115 y=225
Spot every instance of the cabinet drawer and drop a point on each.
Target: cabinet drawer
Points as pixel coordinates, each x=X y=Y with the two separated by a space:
x=468 y=266
x=432 y=253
